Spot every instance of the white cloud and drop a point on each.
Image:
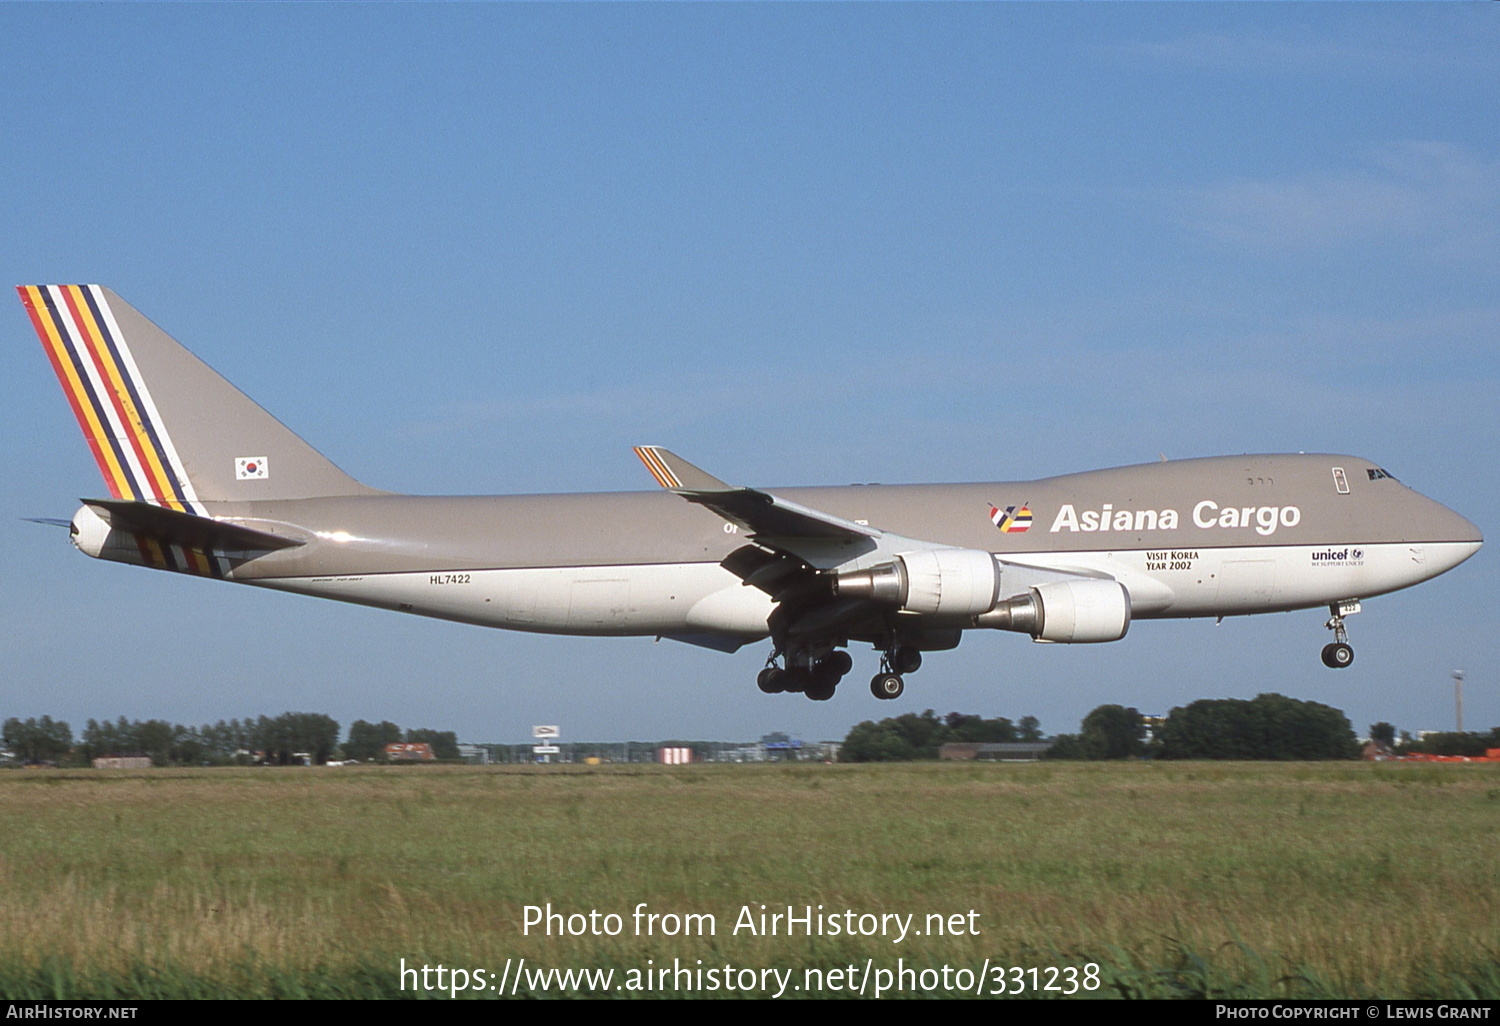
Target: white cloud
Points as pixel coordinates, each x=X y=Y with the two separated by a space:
x=1431 y=194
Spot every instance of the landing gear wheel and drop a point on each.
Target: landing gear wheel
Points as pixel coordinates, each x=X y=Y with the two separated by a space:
x=797 y=679
x=906 y=659
x=821 y=689
x=1338 y=655
x=838 y=663
x=770 y=680
x=887 y=686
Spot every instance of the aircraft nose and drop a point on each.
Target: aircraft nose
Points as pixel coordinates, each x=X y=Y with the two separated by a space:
x=1447 y=537
x=1474 y=536
x=1464 y=530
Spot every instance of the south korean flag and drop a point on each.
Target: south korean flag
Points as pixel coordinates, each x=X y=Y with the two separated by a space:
x=251 y=468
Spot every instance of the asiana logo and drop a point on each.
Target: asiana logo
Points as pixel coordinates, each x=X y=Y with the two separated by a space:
x=1011 y=520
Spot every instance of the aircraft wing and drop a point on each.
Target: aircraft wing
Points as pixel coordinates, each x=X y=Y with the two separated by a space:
x=784 y=558
x=761 y=514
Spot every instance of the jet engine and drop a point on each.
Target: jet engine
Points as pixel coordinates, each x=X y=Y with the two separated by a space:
x=943 y=582
x=966 y=583
x=1074 y=612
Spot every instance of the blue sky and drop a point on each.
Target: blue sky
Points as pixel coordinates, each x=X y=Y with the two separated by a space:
x=486 y=249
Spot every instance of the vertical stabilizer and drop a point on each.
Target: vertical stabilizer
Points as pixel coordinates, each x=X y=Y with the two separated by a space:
x=163 y=426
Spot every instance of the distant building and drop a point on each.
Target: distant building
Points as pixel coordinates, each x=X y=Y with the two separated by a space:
x=674 y=755
x=123 y=762
x=779 y=747
x=405 y=751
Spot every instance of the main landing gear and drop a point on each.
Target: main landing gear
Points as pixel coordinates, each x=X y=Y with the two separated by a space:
x=817 y=679
x=887 y=684
x=1339 y=654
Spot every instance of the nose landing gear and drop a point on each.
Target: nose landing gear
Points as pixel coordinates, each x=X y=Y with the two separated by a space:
x=1340 y=654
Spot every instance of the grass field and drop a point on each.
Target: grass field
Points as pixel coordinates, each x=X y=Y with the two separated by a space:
x=1359 y=880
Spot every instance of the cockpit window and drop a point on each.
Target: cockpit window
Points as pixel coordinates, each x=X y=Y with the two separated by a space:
x=1376 y=474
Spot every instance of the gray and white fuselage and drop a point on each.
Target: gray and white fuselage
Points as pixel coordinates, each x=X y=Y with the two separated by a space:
x=1205 y=537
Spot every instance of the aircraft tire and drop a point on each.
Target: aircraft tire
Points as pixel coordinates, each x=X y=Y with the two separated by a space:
x=796 y=679
x=887 y=686
x=770 y=681
x=826 y=674
x=838 y=663
x=821 y=690
x=906 y=659
x=1337 y=656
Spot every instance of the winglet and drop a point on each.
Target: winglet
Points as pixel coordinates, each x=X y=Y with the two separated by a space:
x=673 y=472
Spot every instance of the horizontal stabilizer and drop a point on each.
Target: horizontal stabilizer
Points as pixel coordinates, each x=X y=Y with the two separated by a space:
x=185 y=529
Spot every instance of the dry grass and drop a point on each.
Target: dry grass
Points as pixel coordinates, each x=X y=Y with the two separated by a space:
x=1335 y=879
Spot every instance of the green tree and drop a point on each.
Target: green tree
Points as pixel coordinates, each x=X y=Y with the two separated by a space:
x=367 y=740
x=1383 y=733
x=155 y=738
x=1270 y=726
x=897 y=739
x=38 y=740
x=1452 y=743
x=975 y=729
x=1113 y=732
x=1066 y=746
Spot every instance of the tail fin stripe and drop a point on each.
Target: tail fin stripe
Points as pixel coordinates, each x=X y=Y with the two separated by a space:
x=86 y=376
x=108 y=396
x=164 y=457
x=122 y=409
x=31 y=297
x=165 y=429
x=98 y=389
x=73 y=371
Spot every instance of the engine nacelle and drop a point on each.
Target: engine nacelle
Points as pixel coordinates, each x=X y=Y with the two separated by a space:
x=1071 y=612
x=940 y=582
x=966 y=583
x=1083 y=611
